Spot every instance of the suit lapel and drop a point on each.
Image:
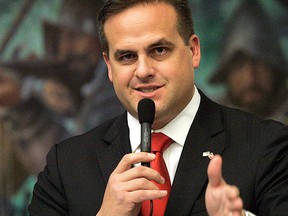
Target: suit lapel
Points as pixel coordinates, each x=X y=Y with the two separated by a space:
x=191 y=176
x=117 y=145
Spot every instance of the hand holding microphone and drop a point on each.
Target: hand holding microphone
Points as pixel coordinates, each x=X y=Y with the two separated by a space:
x=146 y=114
x=122 y=179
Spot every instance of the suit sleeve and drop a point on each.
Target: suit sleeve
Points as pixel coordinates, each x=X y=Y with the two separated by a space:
x=271 y=186
x=49 y=195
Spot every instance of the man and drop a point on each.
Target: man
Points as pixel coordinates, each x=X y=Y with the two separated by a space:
x=151 y=52
x=252 y=68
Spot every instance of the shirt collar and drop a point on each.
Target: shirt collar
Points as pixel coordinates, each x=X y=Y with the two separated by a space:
x=182 y=122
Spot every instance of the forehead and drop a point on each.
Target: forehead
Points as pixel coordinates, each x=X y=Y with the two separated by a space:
x=141 y=22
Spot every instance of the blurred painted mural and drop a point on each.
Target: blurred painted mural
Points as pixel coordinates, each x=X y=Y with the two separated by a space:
x=22 y=37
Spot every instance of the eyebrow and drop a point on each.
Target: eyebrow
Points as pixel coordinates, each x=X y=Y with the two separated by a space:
x=160 y=42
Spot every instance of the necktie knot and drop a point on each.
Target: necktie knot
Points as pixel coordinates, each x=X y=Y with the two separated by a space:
x=160 y=142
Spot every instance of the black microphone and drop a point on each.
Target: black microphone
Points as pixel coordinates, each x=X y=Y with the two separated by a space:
x=146 y=114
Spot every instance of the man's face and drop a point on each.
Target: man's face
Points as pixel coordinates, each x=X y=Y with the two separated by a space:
x=149 y=59
x=251 y=86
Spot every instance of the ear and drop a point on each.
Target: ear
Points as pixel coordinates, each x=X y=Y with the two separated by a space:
x=107 y=61
x=194 y=44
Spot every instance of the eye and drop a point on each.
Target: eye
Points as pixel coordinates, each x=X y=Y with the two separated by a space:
x=160 y=50
x=127 y=58
x=159 y=53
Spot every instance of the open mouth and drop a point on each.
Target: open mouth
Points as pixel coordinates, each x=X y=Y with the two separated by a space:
x=147 y=90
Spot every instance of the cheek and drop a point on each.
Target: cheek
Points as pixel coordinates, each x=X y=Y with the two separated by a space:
x=114 y=72
x=120 y=77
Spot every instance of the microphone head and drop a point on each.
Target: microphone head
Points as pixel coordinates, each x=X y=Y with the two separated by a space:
x=146 y=111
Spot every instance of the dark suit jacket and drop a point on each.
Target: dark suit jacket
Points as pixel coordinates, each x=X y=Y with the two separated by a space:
x=254 y=158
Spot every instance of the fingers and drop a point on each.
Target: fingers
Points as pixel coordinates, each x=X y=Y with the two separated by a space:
x=142 y=172
x=130 y=159
x=221 y=198
x=215 y=171
x=128 y=186
x=140 y=196
x=135 y=190
x=139 y=174
x=234 y=202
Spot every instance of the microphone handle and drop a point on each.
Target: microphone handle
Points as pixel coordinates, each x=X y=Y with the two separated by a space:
x=145 y=140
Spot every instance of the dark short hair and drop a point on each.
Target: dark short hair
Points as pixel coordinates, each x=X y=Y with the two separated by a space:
x=113 y=7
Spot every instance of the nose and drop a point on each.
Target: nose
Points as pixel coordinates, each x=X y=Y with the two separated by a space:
x=144 y=68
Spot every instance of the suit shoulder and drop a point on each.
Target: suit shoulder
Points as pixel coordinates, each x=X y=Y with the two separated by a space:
x=93 y=137
x=236 y=118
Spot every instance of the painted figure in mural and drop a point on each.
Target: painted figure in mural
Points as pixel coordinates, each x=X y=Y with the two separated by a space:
x=252 y=65
x=64 y=93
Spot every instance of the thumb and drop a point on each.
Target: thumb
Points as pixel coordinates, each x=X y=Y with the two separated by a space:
x=215 y=171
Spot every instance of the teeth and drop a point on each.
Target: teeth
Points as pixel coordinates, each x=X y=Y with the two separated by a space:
x=147 y=90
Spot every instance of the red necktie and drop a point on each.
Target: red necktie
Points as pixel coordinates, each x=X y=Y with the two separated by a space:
x=159 y=143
